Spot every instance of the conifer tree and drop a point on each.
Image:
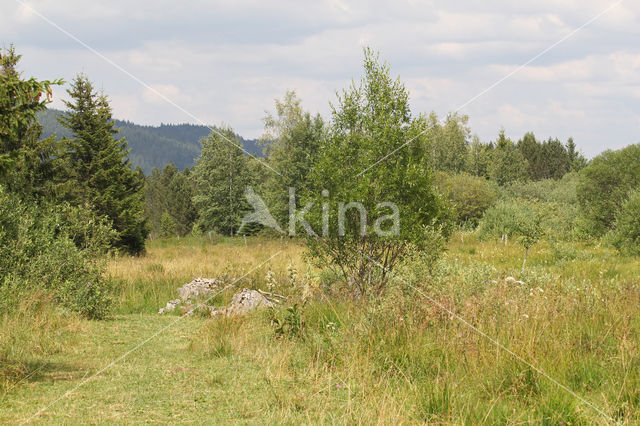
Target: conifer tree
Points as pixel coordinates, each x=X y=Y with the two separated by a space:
x=100 y=174
x=170 y=192
x=507 y=163
x=27 y=164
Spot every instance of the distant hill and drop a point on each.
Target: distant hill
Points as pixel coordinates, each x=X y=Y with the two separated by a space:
x=151 y=146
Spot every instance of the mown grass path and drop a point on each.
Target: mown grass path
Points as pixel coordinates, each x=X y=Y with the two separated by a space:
x=163 y=381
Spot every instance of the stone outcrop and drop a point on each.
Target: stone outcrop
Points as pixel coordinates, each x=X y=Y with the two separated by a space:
x=199 y=288
x=193 y=294
x=244 y=302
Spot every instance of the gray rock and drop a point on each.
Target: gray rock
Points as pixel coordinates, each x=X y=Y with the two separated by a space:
x=198 y=288
x=244 y=302
x=171 y=306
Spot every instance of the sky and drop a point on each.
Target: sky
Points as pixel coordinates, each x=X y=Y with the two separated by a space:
x=226 y=62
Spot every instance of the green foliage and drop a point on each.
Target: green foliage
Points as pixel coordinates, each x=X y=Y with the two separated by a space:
x=55 y=249
x=290 y=324
x=371 y=120
x=292 y=139
x=577 y=161
x=27 y=163
x=555 y=201
x=560 y=191
x=221 y=176
x=507 y=162
x=167 y=226
x=514 y=218
x=605 y=185
x=549 y=159
x=98 y=172
x=479 y=158
x=170 y=192
x=469 y=195
x=450 y=142
x=626 y=236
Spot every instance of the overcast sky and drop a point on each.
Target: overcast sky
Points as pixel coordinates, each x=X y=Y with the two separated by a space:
x=225 y=62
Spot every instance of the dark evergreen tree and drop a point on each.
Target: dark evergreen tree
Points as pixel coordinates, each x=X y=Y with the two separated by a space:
x=577 y=161
x=170 y=193
x=507 y=162
x=555 y=159
x=100 y=174
x=546 y=160
x=28 y=165
x=530 y=148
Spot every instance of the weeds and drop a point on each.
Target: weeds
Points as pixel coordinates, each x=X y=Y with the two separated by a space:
x=396 y=358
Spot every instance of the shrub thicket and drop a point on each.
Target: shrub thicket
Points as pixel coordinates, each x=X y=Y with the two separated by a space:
x=55 y=250
x=469 y=195
x=626 y=237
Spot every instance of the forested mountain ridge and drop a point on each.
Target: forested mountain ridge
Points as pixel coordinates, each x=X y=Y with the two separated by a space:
x=151 y=146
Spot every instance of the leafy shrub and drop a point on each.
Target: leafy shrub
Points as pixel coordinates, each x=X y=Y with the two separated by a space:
x=549 y=190
x=505 y=218
x=55 y=250
x=605 y=184
x=290 y=324
x=370 y=120
x=510 y=216
x=626 y=237
x=520 y=219
x=469 y=195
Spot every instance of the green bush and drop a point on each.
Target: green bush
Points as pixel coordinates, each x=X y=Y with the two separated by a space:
x=52 y=249
x=509 y=217
x=505 y=218
x=548 y=190
x=605 y=184
x=626 y=237
x=469 y=195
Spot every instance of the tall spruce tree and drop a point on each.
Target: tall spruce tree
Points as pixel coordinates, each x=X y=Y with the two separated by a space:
x=28 y=165
x=100 y=174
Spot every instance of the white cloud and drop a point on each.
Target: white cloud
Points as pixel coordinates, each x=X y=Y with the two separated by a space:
x=226 y=61
x=159 y=93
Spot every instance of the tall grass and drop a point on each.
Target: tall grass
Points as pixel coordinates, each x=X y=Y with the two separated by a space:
x=397 y=359
x=28 y=335
x=400 y=359
x=146 y=283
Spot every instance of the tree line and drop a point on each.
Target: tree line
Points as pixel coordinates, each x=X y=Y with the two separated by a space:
x=371 y=165
x=292 y=143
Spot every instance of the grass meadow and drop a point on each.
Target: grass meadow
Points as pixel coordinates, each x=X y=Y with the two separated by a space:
x=399 y=359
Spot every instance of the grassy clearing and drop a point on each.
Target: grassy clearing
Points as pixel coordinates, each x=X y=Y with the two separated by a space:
x=147 y=283
x=399 y=359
